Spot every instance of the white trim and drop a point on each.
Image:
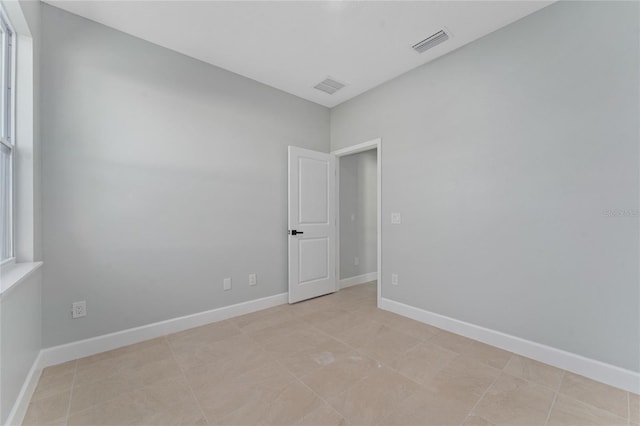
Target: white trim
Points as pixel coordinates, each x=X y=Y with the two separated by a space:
x=14 y=14
x=23 y=132
x=8 y=99
x=591 y=368
x=358 y=279
x=74 y=350
x=8 y=262
x=361 y=147
x=19 y=409
x=365 y=146
x=70 y=351
x=11 y=274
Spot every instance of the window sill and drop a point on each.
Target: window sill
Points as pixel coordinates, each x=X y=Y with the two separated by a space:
x=13 y=274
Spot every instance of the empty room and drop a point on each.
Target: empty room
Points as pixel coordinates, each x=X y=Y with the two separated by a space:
x=319 y=213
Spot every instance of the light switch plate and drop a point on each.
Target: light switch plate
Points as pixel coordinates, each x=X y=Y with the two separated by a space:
x=395 y=218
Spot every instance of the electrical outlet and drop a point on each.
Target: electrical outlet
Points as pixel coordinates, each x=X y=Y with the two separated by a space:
x=356 y=261
x=395 y=218
x=253 y=280
x=79 y=309
x=394 y=279
x=226 y=284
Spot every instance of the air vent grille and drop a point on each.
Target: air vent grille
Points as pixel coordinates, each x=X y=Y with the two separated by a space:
x=329 y=85
x=431 y=41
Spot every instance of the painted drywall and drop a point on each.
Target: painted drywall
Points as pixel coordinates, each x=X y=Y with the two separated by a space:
x=20 y=337
x=162 y=176
x=514 y=162
x=358 y=214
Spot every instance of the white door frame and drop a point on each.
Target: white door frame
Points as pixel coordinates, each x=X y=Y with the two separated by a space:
x=365 y=146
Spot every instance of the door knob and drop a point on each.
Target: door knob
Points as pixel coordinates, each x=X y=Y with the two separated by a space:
x=294 y=232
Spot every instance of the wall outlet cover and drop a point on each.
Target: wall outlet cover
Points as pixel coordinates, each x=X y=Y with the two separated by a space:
x=394 y=279
x=226 y=284
x=79 y=309
x=395 y=218
x=253 y=280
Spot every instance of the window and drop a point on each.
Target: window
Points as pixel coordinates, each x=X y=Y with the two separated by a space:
x=6 y=140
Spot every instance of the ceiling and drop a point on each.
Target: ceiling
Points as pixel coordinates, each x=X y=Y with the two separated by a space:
x=293 y=45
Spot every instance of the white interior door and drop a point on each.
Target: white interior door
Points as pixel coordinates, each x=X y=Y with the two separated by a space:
x=312 y=224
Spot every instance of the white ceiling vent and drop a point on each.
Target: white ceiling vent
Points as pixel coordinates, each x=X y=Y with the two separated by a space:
x=431 y=41
x=329 y=85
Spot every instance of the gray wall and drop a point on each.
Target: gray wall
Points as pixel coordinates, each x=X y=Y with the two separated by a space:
x=20 y=337
x=358 y=214
x=503 y=158
x=162 y=175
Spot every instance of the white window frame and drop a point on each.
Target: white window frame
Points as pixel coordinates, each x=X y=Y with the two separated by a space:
x=7 y=135
x=25 y=145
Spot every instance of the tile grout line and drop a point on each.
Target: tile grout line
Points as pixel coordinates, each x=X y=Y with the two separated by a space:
x=133 y=389
x=420 y=341
x=321 y=398
x=394 y=328
x=378 y=322
x=379 y=362
x=458 y=354
x=73 y=385
x=184 y=375
x=483 y=394
x=413 y=380
x=279 y=361
x=529 y=381
x=351 y=349
x=555 y=397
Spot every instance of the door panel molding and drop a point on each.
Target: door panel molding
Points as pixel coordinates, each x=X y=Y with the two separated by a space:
x=312 y=215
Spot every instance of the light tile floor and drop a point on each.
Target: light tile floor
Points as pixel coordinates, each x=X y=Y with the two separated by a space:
x=334 y=360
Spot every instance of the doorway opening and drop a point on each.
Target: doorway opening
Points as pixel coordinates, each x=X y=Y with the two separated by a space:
x=359 y=224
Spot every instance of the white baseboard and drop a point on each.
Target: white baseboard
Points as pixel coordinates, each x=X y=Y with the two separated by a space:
x=596 y=370
x=358 y=279
x=19 y=409
x=593 y=369
x=74 y=350
x=70 y=351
